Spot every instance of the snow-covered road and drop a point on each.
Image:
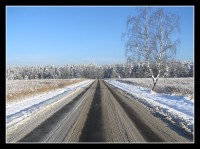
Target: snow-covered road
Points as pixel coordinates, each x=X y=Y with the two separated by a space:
x=178 y=109
x=97 y=112
x=22 y=109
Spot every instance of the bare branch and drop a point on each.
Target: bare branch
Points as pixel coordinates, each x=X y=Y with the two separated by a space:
x=149 y=38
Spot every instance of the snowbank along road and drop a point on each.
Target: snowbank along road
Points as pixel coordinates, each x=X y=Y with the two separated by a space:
x=98 y=113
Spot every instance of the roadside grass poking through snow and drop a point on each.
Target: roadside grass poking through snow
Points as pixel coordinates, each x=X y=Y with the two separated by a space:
x=17 y=90
x=173 y=86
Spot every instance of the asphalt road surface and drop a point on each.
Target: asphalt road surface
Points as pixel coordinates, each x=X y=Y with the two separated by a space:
x=99 y=113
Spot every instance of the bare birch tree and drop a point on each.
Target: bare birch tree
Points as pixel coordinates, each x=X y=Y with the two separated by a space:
x=151 y=40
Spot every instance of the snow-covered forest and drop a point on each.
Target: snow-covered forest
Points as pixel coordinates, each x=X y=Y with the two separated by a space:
x=129 y=70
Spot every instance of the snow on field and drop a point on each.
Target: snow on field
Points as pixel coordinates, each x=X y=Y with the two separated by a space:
x=17 y=90
x=177 y=109
x=22 y=109
x=174 y=86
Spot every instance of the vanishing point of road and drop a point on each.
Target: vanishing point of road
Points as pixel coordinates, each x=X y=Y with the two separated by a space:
x=100 y=113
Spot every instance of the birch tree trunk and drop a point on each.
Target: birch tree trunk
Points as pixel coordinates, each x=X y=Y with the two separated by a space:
x=150 y=39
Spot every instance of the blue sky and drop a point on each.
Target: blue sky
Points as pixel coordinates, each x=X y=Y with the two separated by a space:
x=78 y=35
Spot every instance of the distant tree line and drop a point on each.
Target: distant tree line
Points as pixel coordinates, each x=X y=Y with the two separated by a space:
x=128 y=70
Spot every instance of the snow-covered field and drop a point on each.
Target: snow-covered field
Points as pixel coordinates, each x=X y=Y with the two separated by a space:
x=179 y=110
x=19 y=110
x=174 y=86
x=17 y=90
